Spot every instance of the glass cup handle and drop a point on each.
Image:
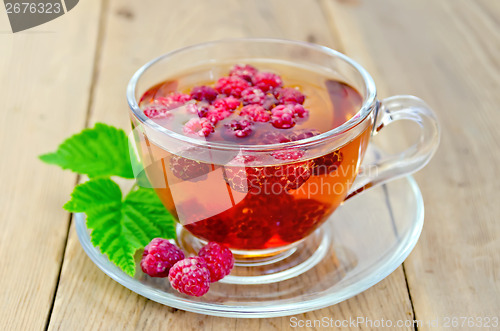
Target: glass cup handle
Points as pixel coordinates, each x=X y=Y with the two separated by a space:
x=400 y=107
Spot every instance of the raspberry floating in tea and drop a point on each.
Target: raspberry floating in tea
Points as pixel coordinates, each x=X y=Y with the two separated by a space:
x=253 y=96
x=256 y=113
x=232 y=108
x=232 y=85
x=246 y=71
x=203 y=93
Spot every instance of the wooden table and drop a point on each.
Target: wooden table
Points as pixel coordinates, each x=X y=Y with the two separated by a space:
x=69 y=73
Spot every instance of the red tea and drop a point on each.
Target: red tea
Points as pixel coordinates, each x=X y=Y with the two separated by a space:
x=252 y=200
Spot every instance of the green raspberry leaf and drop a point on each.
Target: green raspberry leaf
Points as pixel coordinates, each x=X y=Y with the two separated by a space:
x=98 y=152
x=121 y=227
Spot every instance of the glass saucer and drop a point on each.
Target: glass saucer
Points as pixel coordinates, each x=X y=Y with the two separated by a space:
x=364 y=241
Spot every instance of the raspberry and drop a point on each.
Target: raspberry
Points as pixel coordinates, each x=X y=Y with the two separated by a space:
x=190 y=276
x=327 y=163
x=247 y=72
x=215 y=115
x=289 y=95
x=201 y=109
x=288 y=155
x=250 y=224
x=239 y=178
x=250 y=228
x=219 y=260
x=240 y=128
x=256 y=218
x=307 y=215
x=173 y=100
x=213 y=228
x=229 y=103
x=187 y=169
x=157 y=112
x=159 y=256
x=203 y=93
x=267 y=180
x=267 y=81
x=199 y=126
x=303 y=134
x=231 y=86
x=295 y=175
x=256 y=113
x=270 y=102
x=283 y=117
x=271 y=137
x=299 y=110
x=253 y=95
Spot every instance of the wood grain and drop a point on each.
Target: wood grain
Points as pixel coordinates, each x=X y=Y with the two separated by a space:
x=446 y=52
x=134 y=33
x=46 y=74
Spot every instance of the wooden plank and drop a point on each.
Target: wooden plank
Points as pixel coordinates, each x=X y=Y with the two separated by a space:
x=46 y=74
x=135 y=33
x=447 y=53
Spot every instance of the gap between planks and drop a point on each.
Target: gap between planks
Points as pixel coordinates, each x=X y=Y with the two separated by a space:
x=335 y=30
x=95 y=71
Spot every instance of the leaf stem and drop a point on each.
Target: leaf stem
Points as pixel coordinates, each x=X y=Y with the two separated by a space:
x=134 y=187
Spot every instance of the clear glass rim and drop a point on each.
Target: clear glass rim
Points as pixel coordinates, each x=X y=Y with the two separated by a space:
x=369 y=99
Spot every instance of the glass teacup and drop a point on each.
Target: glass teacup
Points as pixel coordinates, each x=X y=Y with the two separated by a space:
x=259 y=205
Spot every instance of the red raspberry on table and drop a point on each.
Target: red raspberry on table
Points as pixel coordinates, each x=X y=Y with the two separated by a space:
x=253 y=95
x=203 y=93
x=283 y=117
x=199 y=126
x=231 y=86
x=159 y=256
x=289 y=95
x=157 y=112
x=240 y=128
x=267 y=81
x=327 y=163
x=190 y=276
x=187 y=169
x=220 y=260
x=256 y=113
x=303 y=134
x=288 y=155
x=246 y=72
x=173 y=100
x=229 y=103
